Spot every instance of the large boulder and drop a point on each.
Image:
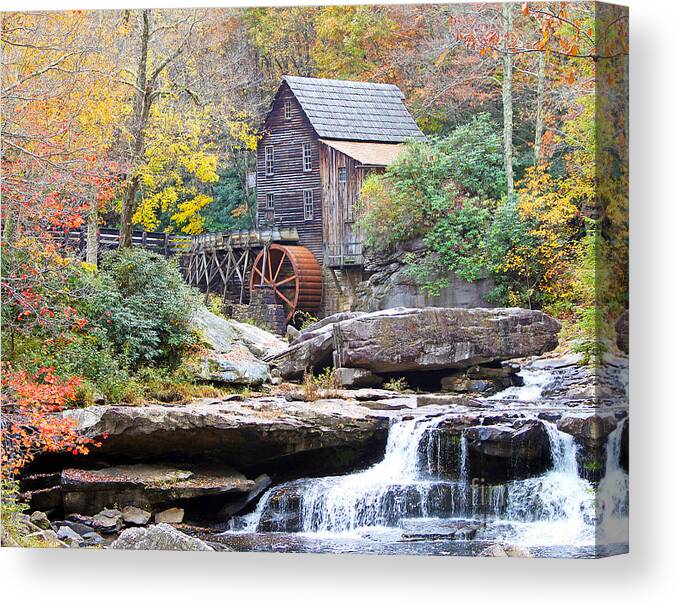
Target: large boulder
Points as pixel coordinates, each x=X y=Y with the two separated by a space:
x=161 y=537
x=252 y=434
x=238 y=366
x=482 y=444
x=146 y=486
x=508 y=451
x=235 y=350
x=308 y=351
x=424 y=339
x=591 y=431
x=312 y=348
x=222 y=335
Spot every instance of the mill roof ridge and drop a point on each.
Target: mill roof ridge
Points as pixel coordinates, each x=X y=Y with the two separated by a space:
x=354 y=110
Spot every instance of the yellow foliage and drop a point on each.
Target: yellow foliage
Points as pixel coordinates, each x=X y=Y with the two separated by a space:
x=178 y=164
x=244 y=131
x=188 y=214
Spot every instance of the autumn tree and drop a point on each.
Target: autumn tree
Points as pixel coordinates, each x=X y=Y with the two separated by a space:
x=160 y=38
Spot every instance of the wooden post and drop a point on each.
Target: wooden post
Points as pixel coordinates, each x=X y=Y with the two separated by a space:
x=166 y=246
x=244 y=274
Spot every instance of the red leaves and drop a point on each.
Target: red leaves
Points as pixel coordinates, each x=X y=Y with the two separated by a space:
x=31 y=420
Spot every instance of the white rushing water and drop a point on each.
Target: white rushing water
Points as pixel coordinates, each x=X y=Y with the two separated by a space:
x=534 y=381
x=612 y=497
x=557 y=507
x=552 y=509
x=396 y=488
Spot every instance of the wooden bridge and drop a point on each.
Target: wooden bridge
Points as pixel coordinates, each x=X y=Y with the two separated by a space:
x=159 y=242
x=231 y=264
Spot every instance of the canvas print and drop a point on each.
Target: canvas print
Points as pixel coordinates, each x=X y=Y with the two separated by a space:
x=324 y=279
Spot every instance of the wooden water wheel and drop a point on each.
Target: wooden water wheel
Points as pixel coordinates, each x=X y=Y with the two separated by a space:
x=294 y=275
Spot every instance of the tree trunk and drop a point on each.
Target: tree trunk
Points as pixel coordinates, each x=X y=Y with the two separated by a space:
x=539 y=120
x=142 y=107
x=92 y=233
x=507 y=98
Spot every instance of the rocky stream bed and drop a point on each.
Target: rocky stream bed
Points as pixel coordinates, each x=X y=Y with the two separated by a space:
x=503 y=449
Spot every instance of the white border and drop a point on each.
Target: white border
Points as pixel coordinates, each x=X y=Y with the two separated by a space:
x=645 y=577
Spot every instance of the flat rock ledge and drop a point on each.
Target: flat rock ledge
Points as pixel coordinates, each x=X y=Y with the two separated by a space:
x=251 y=434
x=146 y=486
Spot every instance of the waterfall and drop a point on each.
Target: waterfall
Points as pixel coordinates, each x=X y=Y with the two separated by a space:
x=612 y=497
x=398 y=487
x=534 y=381
x=557 y=506
x=563 y=450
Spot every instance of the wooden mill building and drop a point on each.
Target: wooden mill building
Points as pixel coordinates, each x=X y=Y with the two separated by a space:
x=321 y=139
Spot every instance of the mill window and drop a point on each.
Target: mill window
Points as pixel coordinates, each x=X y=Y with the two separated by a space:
x=342 y=175
x=269 y=157
x=288 y=110
x=306 y=155
x=270 y=201
x=308 y=204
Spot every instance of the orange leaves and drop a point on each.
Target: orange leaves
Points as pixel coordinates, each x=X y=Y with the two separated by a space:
x=31 y=420
x=44 y=389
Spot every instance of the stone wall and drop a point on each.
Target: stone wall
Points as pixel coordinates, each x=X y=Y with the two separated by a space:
x=384 y=283
x=263 y=310
x=340 y=290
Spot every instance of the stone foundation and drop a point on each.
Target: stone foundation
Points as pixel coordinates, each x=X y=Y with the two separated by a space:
x=384 y=283
x=262 y=310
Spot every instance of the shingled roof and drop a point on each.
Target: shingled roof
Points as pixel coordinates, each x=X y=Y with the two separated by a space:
x=355 y=111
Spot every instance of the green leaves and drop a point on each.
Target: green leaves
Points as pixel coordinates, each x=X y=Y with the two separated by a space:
x=440 y=190
x=140 y=305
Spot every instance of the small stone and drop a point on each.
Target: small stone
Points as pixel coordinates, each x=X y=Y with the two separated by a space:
x=135 y=516
x=505 y=551
x=108 y=521
x=92 y=539
x=40 y=520
x=170 y=516
x=80 y=529
x=86 y=520
x=48 y=537
x=69 y=536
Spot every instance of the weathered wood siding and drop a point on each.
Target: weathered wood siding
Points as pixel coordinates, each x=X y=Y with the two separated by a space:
x=289 y=180
x=340 y=201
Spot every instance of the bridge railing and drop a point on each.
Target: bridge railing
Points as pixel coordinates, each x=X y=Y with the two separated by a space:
x=158 y=242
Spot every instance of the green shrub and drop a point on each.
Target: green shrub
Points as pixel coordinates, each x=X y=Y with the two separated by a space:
x=215 y=305
x=444 y=190
x=396 y=384
x=325 y=385
x=140 y=305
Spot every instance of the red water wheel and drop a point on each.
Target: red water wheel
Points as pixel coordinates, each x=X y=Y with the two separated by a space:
x=294 y=275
